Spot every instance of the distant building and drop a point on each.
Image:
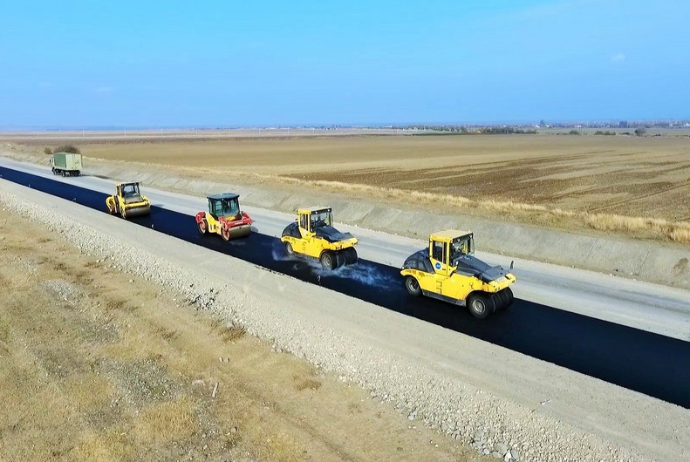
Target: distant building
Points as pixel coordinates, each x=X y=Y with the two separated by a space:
x=623 y=124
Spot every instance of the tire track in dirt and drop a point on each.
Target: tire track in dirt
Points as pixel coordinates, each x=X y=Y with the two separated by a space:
x=618 y=203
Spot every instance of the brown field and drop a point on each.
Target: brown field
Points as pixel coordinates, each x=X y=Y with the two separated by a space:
x=631 y=185
x=96 y=366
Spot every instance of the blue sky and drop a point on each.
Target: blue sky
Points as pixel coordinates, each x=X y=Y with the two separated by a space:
x=221 y=63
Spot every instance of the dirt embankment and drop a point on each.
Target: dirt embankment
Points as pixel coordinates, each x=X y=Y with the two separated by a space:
x=97 y=365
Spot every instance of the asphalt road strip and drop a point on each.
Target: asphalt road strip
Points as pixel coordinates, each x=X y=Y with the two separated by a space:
x=641 y=361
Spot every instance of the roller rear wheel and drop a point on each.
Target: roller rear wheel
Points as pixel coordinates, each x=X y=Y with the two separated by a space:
x=412 y=286
x=480 y=305
x=502 y=300
x=327 y=260
x=350 y=256
x=508 y=293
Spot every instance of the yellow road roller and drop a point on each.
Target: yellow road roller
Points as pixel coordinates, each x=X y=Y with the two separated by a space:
x=448 y=270
x=312 y=236
x=128 y=201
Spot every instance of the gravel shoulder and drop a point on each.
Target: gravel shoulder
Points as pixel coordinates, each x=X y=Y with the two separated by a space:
x=474 y=392
x=97 y=364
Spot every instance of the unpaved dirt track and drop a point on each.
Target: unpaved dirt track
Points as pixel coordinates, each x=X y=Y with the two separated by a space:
x=468 y=388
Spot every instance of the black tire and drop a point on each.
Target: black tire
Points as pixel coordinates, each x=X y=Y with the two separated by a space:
x=64 y=174
x=327 y=261
x=412 y=286
x=509 y=293
x=509 y=297
x=289 y=250
x=497 y=299
x=202 y=226
x=340 y=259
x=502 y=299
x=350 y=256
x=54 y=171
x=480 y=305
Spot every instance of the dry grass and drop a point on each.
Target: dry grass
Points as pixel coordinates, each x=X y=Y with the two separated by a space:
x=655 y=228
x=110 y=445
x=306 y=383
x=90 y=378
x=88 y=391
x=226 y=331
x=5 y=329
x=282 y=447
x=678 y=232
x=681 y=235
x=173 y=420
x=232 y=333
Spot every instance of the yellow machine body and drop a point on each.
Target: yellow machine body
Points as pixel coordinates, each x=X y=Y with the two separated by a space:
x=449 y=271
x=313 y=236
x=128 y=201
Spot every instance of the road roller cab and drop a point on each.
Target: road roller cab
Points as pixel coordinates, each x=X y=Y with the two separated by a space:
x=128 y=202
x=448 y=270
x=224 y=217
x=313 y=236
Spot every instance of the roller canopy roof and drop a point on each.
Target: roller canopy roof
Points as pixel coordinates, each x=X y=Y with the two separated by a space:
x=226 y=195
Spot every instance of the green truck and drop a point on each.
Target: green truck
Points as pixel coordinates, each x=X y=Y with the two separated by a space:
x=66 y=164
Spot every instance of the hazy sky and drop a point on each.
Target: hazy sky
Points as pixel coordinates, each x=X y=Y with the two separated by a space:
x=221 y=63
